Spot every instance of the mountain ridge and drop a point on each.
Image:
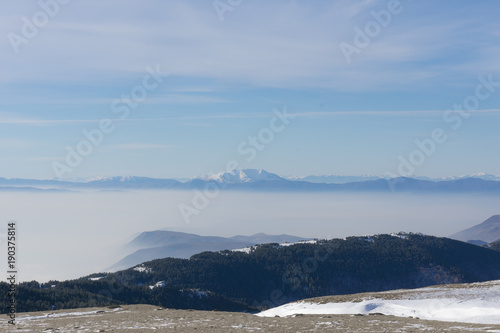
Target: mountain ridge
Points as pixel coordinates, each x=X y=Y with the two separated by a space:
x=487 y=231
x=341 y=179
x=150 y=245
x=261 y=180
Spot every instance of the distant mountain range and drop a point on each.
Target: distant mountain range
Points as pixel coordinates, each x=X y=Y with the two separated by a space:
x=261 y=180
x=486 y=232
x=332 y=179
x=162 y=244
x=338 y=179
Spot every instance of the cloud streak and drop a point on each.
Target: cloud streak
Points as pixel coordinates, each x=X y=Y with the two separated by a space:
x=138 y=146
x=295 y=44
x=256 y=115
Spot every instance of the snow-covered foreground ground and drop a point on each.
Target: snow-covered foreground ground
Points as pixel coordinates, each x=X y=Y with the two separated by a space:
x=467 y=303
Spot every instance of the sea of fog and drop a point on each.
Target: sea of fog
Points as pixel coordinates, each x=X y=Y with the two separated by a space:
x=68 y=235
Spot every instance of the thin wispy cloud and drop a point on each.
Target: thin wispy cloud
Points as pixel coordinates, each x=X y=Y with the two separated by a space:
x=15 y=143
x=45 y=159
x=256 y=115
x=138 y=146
x=226 y=76
x=186 y=99
x=304 y=53
x=193 y=90
x=387 y=113
x=196 y=124
x=42 y=122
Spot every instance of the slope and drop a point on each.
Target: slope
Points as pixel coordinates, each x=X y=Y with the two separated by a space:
x=488 y=231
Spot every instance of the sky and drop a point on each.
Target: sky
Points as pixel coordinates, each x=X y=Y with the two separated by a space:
x=176 y=89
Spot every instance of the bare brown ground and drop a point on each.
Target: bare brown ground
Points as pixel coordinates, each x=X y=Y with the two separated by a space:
x=147 y=318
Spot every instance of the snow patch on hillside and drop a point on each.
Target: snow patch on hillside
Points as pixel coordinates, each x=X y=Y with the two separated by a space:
x=142 y=268
x=96 y=278
x=246 y=250
x=468 y=303
x=249 y=249
x=65 y=314
x=160 y=284
x=311 y=241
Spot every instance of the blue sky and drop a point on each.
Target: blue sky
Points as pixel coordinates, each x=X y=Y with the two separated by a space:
x=222 y=79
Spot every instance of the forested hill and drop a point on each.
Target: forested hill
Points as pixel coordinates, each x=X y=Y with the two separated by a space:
x=357 y=264
x=272 y=274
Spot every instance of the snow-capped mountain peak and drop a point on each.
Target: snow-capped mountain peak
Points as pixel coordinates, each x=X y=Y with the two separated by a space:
x=242 y=176
x=113 y=179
